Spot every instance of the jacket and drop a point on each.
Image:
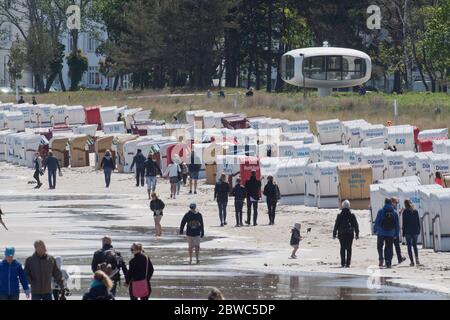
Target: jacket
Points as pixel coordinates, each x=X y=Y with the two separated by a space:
x=38 y=164
x=378 y=229
x=194 y=223
x=51 y=163
x=98 y=291
x=253 y=187
x=108 y=163
x=239 y=193
x=137 y=268
x=10 y=275
x=116 y=261
x=270 y=191
x=221 y=192
x=139 y=161
x=152 y=168
x=340 y=225
x=410 y=223
x=39 y=271
x=157 y=204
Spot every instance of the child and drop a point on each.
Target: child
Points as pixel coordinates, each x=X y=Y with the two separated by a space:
x=295 y=239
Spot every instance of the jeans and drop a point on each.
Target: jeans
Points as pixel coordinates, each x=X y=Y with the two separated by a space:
x=52 y=179
x=346 y=250
x=36 y=177
x=388 y=243
x=140 y=174
x=151 y=183
x=398 y=249
x=251 y=204
x=9 y=297
x=107 y=172
x=185 y=176
x=222 y=211
x=411 y=241
x=271 y=206
x=238 y=205
x=45 y=297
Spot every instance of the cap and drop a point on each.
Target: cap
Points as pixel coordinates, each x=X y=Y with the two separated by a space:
x=193 y=206
x=9 y=252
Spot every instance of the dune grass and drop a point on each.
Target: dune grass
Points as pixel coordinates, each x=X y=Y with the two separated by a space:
x=421 y=109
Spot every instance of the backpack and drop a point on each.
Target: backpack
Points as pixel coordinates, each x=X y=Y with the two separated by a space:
x=113 y=259
x=388 y=221
x=346 y=227
x=278 y=193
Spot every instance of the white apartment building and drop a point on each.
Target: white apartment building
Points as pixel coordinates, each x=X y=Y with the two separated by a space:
x=92 y=79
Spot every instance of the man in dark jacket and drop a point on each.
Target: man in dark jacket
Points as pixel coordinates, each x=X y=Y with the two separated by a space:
x=11 y=273
x=152 y=169
x=253 y=187
x=239 y=194
x=139 y=160
x=411 y=230
x=397 y=247
x=195 y=230
x=346 y=228
x=108 y=255
x=271 y=192
x=221 y=192
x=386 y=228
x=40 y=269
x=52 y=164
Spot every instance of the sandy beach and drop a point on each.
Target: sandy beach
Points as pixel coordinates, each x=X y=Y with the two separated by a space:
x=266 y=248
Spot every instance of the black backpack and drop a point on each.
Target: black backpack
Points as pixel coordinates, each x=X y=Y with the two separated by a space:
x=388 y=221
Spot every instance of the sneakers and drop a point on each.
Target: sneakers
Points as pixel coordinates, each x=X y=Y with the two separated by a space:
x=225 y=223
x=293 y=257
x=221 y=224
x=412 y=264
x=247 y=222
x=417 y=261
x=195 y=192
x=190 y=192
x=403 y=259
x=381 y=264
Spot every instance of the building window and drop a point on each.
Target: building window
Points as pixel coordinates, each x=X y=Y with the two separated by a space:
x=94 y=77
x=287 y=67
x=335 y=68
x=92 y=44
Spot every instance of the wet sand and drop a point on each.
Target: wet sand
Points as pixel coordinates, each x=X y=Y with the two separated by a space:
x=73 y=218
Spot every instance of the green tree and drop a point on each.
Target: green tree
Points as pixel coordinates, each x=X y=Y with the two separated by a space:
x=78 y=65
x=16 y=62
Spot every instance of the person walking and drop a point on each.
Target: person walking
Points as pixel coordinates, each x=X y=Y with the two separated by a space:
x=195 y=230
x=40 y=269
x=272 y=193
x=33 y=101
x=152 y=169
x=411 y=231
x=108 y=165
x=109 y=256
x=346 y=229
x=221 y=192
x=52 y=164
x=239 y=193
x=100 y=287
x=253 y=187
x=1 y=220
x=397 y=238
x=386 y=228
x=295 y=239
x=139 y=160
x=184 y=172
x=157 y=206
x=172 y=171
x=194 y=172
x=139 y=274
x=11 y=274
x=38 y=170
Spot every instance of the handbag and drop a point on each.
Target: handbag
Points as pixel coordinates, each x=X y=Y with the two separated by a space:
x=140 y=289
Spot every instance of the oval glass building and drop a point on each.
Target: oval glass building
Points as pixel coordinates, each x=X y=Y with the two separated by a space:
x=326 y=68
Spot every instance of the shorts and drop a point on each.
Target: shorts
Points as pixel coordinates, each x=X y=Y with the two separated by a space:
x=194 y=175
x=194 y=241
x=295 y=246
x=151 y=182
x=173 y=179
x=158 y=218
